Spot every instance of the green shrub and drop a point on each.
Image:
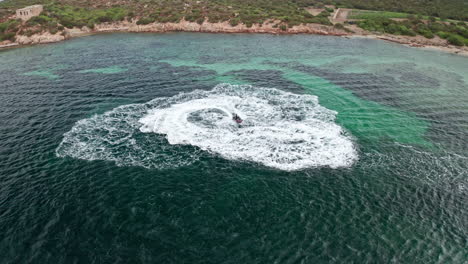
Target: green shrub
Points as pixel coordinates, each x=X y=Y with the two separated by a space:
x=324 y=14
x=171 y=18
x=7 y=36
x=436 y=27
x=339 y=26
x=403 y=30
x=283 y=27
x=214 y=18
x=38 y=20
x=145 y=21
x=456 y=40
x=234 y=22
x=443 y=35
x=68 y=22
x=103 y=18
x=3 y=27
x=194 y=16
x=30 y=32
x=90 y=24
x=461 y=31
x=426 y=33
x=319 y=20
x=200 y=20
x=52 y=27
x=293 y=23
x=9 y=25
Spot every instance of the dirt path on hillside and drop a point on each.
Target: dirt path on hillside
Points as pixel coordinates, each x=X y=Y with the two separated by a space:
x=341 y=15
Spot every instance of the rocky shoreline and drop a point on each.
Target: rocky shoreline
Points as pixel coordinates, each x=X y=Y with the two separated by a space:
x=225 y=27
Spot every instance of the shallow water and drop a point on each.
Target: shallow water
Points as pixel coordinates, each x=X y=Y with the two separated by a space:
x=121 y=148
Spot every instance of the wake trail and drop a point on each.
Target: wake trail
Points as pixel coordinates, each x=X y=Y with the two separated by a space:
x=280 y=130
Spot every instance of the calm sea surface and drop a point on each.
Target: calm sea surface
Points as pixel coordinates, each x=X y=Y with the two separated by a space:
x=120 y=148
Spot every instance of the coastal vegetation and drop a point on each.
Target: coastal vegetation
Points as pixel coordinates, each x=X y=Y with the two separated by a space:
x=69 y=16
x=447 y=9
x=80 y=13
x=247 y=11
x=368 y=14
x=55 y=18
x=455 y=33
x=232 y=11
x=383 y=16
x=58 y=15
x=8 y=29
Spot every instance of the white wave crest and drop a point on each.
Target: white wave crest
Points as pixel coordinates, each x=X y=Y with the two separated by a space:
x=280 y=130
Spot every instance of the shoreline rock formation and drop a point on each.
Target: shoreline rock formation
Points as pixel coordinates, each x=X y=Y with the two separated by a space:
x=225 y=27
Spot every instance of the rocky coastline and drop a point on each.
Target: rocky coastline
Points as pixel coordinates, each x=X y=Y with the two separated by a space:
x=267 y=28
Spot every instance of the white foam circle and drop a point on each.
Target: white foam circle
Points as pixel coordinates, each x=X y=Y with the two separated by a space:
x=280 y=130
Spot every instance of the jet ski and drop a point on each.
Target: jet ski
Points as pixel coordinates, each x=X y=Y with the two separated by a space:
x=237 y=118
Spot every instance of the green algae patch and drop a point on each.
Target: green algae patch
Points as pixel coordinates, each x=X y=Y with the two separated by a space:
x=46 y=74
x=367 y=120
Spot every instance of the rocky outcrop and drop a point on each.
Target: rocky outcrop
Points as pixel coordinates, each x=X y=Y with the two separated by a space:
x=186 y=26
x=39 y=38
x=7 y=44
x=223 y=27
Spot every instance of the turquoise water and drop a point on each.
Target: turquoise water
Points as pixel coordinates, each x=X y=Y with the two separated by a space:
x=120 y=148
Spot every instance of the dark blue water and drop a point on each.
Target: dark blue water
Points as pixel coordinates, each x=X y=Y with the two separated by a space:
x=81 y=182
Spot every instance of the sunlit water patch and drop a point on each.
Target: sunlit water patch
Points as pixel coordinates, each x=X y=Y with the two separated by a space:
x=280 y=130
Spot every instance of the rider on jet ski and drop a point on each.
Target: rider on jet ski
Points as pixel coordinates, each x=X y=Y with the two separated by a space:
x=236 y=118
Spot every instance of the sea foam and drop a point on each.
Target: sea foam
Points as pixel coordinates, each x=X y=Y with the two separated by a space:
x=280 y=130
